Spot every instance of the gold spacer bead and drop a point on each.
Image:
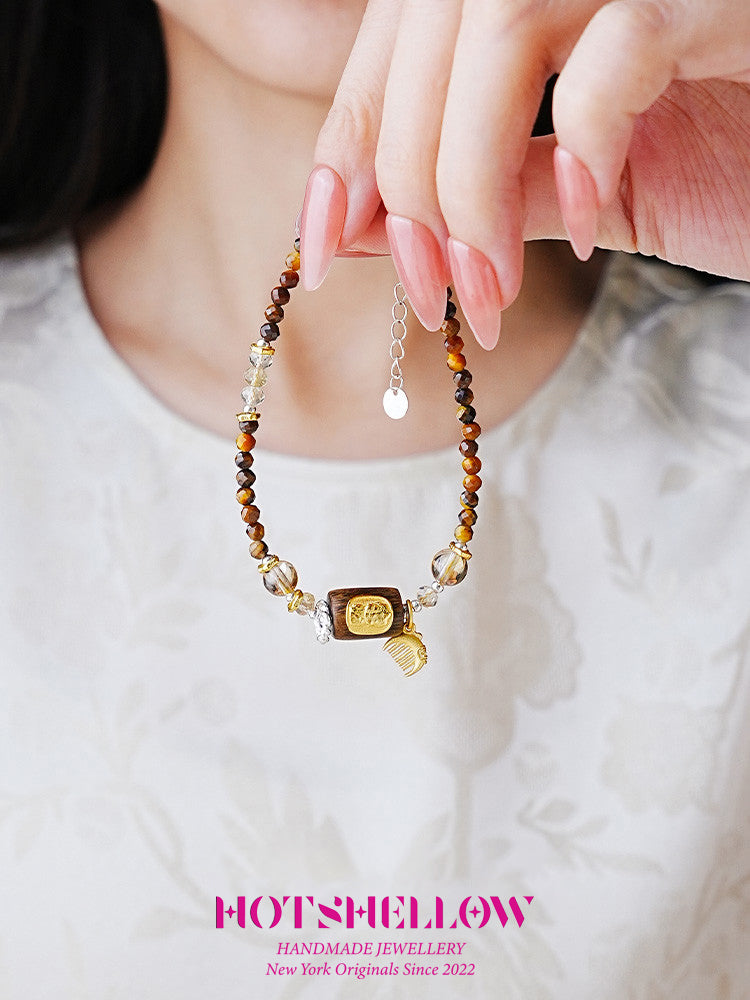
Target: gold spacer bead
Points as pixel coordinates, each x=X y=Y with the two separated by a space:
x=251 y=415
x=294 y=600
x=268 y=564
x=464 y=553
x=261 y=347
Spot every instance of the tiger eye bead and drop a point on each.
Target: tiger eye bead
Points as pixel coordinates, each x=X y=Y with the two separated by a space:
x=292 y=261
x=463 y=533
x=450 y=310
x=464 y=396
x=468 y=448
x=245 y=477
x=243 y=459
x=258 y=550
x=245 y=442
x=289 y=279
x=469 y=499
x=472 y=483
x=269 y=332
x=468 y=517
x=454 y=344
x=274 y=314
x=450 y=326
x=250 y=515
x=245 y=495
x=462 y=379
x=280 y=295
x=466 y=414
x=471 y=466
x=456 y=362
x=471 y=431
x=249 y=426
x=255 y=532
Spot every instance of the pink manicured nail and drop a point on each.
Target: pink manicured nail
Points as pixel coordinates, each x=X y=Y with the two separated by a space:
x=477 y=290
x=321 y=224
x=421 y=268
x=576 y=192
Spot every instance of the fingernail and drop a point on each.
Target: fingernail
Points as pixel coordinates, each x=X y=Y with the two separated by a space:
x=477 y=290
x=421 y=268
x=576 y=192
x=321 y=224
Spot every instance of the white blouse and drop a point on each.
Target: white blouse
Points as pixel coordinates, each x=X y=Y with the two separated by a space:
x=170 y=735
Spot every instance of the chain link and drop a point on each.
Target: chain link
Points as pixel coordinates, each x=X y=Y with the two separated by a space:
x=398 y=335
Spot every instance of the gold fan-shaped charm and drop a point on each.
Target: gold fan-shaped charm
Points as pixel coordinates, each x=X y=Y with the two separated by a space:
x=407 y=649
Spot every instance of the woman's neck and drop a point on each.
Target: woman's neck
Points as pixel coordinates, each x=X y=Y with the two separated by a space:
x=179 y=276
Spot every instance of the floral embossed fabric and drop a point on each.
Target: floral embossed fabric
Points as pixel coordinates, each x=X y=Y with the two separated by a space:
x=168 y=734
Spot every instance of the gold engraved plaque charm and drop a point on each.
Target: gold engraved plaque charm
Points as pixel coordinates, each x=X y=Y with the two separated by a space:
x=407 y=649
x=368 y=614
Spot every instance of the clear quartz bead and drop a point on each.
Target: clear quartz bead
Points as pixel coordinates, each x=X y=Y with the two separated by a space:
x=306 y=605
x=256 y=376
x=448 y=568
x=281 y=579
x=253 y=395
x=258 y=360
x=427 y=597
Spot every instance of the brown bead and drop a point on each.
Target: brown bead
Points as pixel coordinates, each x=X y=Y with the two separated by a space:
x=469 y=499
x=245 y=442
x=462 y=379
x=292 y=261
x=245 y=495
x=468 y=517
x=280 y=295
x=466 y=414
x=250 y=514
x=449 y=292
x=289 y=279
x=246 y=477
x=274 y=314
x=463 y=533
x=468 y=448
x=471 y=431
x=456 y=362
x=269 y=332
x=255 y=532
x=243 y=459
x=249 y=426
x=258 y=550
x=297 y=244
x=450 y=310
x=471 y=465
x=450 y=326
x=472 y=483
x=454 y=344
x=464 y=396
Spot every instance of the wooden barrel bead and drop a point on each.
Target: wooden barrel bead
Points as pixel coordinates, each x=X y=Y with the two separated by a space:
x=462 y=379
x=245 y=495
x=471 y=431
x=468 y=517
x=463 y=533
x=289 y=279
x=245 y=442
x=468 y=448
x=269 y=332
x=469 y=499
x=464 y=396
x=280 y=295
x=243 y=459
x=466 y=414
x=456 y=362
x=472 y=483
x=274 y=314
x=245 y=477
x=471 y=465
x=258 y=550
x=454 y=344
x=250 y=514
x=255 y=532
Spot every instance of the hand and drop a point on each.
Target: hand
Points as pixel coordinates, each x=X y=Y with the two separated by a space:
x=427 y=142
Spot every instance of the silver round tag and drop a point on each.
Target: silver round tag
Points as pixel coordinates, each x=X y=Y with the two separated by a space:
x=395 y=403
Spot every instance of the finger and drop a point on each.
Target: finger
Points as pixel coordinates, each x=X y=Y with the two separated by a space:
x=342 y=196
x=624 y=60
x=498 y=76
x=407 y=151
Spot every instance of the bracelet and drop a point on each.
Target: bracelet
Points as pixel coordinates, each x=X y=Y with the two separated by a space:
x=357 y=612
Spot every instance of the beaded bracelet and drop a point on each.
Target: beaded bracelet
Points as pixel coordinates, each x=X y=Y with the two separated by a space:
x=357 y=612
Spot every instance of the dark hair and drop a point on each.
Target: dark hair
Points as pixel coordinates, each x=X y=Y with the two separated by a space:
x=82 y=102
